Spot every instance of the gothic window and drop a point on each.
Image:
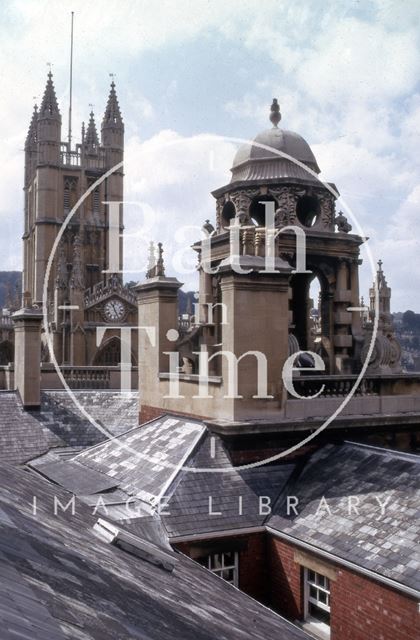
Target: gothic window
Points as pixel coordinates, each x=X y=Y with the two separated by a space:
x=70 y=194
x=6 y=352
x=307 y=210
x=95 y=200
x=110 y=354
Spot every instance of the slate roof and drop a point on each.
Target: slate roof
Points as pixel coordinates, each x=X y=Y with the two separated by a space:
x=387 y=544
x=58 y=424
x=234 y=494
x=144 y=461
x=21 y=435
x=59 y=580
x=58 y=413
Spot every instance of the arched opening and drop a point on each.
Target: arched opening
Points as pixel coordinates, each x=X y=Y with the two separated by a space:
x=257 y=209
x=314 y=307
x=109 y=355
x=6 y=352
x=228 y=213
x=309 y=311
x=307 y=210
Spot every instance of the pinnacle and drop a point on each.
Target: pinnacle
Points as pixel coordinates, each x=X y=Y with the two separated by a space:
x=112 y=114
x=49 y=105
x=91 y=138
x=31 y=137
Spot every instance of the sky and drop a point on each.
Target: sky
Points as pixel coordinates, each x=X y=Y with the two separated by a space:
x=193 y=76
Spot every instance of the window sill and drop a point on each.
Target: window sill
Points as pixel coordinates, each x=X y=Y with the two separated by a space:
x=316 y=628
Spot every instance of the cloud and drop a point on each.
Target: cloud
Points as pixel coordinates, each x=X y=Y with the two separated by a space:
x=346 y=75
x=170 y=177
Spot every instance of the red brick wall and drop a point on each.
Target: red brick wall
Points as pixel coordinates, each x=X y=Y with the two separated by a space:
x=285 y=583
x=253 y=567
x=361 y=609
x=147 y=412
x=364 y=609
x=252 y=562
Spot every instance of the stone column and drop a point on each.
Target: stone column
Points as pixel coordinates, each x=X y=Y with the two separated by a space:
x=343 y=340
x=355 y=299
x=28 y=356
x=258 y=320
x=158 y=310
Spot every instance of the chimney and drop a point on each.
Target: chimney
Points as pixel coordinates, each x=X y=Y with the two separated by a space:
x=28 y=356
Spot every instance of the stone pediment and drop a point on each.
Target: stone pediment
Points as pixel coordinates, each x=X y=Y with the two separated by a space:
x=113 y=288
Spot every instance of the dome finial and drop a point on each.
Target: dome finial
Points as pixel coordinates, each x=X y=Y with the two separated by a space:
x=275 y=115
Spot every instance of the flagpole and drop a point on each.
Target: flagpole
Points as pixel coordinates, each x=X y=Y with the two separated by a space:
x=71 y=78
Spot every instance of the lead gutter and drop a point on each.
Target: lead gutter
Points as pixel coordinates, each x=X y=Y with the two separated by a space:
x=210 y=535
x=413 y=593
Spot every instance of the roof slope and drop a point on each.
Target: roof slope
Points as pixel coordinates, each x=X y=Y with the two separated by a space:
x=59 y=580
x=205 y=501
x=26 y=435
x=21 y=435
x=340 y=494
x=144 y=461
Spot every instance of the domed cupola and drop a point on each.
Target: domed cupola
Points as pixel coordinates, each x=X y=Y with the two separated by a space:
x=265 y=158
x=277 y=166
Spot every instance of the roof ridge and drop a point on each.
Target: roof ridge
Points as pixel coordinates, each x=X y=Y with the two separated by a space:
x=404 y=455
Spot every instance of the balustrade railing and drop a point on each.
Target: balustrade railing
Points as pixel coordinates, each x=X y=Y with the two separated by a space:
x=87 y=377
x=335 y=386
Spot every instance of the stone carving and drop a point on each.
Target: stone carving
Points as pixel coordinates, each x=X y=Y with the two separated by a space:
x=219 y=208
x=61 y=279
x=286 y=198
x=342 y=224
x=160 y=265
x=327 y=208
x=77 y=279
x=242 y=203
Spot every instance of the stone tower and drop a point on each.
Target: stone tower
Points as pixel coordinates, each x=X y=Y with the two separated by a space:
x=56 y=176
x=274 y=197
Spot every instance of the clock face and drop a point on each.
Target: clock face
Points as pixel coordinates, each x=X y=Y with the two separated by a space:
x=114 y=310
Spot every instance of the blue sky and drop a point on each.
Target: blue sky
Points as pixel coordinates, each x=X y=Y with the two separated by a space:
x=345 y=73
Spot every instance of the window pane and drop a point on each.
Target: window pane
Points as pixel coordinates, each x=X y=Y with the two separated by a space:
x=228 y=575
x=322 y=597
x=313 y=592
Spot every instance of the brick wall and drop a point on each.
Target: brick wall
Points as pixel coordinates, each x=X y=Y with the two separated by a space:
x=252 y=551
x=253 y=567
x=147 y=412
x=285 y=583
x=364 y=609
x=361 y=608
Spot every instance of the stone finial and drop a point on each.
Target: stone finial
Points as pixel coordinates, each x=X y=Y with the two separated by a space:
x=275 y=115
x=208 y=227
x=151 y=261
x=26 y=300
x=91 y=139
x=31 y=138
x=382 y=283
x=342 y=224
x=112 y=116
x=49 y=104
x=160 y=265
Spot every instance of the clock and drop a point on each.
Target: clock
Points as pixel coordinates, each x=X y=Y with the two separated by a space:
x=114 y=310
